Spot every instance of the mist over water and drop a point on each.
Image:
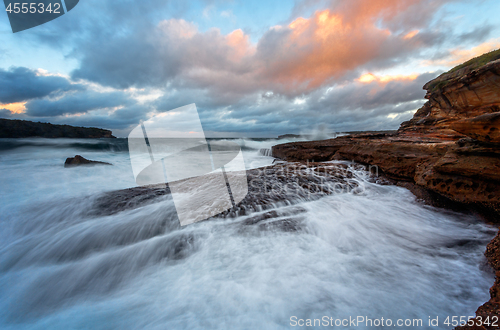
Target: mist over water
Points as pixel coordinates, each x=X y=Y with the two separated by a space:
x=63 y=265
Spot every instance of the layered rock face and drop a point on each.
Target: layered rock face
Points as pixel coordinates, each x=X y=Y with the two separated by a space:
x=450 y=149
x=482 y=128
x=457 y=105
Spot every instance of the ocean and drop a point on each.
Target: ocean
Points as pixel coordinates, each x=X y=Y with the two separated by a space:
x=376 y=254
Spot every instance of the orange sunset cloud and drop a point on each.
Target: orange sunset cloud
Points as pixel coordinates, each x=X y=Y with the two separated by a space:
x=369 y=77
x=240 y=45
x=301 y=56
x=15 y=108
x=411 y=34
x=331 y=43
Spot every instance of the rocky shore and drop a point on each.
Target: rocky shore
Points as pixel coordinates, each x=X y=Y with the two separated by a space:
x=448 y=154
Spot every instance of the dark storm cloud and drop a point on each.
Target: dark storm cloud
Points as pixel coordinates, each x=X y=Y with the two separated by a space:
x=354 y=106
x=172 y=53
x=202 y=97
x=123 y=118
x=479 y=34
x=125 y=62
x=19 y=84
x=4 y=113
x=355 y=97
x=373 y=95
x=76 y=103
x=105 y=20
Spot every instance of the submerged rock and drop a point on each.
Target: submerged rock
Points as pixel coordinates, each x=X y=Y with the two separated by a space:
x=79 y=161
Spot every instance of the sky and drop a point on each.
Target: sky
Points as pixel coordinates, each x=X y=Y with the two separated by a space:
x=253 y=68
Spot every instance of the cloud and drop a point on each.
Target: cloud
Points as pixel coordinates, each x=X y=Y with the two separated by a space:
x=304 y=55
x=479 y=34
x=19 y=84
x=14 y=108
x=460 y=55
x=324 y=67
x=76 y=103
x=379 y=104
x=5 y=113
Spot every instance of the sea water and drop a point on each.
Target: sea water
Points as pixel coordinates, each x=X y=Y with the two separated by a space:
x=376 y=254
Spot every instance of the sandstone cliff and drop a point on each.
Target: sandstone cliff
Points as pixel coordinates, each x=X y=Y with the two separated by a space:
x=456 y=103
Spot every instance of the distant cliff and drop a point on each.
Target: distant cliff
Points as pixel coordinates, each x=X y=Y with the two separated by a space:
x=24 y=129
x=464 y=101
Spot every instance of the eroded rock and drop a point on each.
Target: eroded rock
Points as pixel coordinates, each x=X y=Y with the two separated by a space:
x=484 y=128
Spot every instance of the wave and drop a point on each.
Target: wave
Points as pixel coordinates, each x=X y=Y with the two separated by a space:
x=113 y=145
x=368 y=250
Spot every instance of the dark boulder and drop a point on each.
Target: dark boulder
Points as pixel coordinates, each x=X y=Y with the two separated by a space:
x=79 y=161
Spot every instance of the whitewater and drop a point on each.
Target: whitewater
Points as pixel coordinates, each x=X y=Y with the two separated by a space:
x=376 y=253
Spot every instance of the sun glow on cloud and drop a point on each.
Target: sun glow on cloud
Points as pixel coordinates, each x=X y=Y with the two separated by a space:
x=370 y=77
x=464 y=55
x=458 y=56
x=240 y=44
x=15 y=108
x=292 y=59
x=332 y=42
x=411 y=34
x=325 y=24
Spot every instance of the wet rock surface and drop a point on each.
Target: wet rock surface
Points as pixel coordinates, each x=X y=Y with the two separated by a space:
x=450 y=146
x=268 y=188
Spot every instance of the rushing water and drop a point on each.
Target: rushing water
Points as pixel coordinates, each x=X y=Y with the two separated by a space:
x=379 y=253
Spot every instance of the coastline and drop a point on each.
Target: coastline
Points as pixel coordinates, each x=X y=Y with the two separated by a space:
x=448 y=155
x=14 y=128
